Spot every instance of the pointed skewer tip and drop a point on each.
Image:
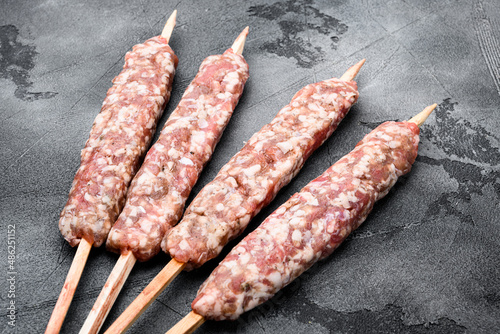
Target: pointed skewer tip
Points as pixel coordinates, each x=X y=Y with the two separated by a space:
x=169 y=26
x=351 y=73
x=361 y=62
x=420 y=118
x=239 y=42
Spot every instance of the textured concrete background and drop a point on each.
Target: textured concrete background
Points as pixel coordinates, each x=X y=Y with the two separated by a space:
x=427 y=259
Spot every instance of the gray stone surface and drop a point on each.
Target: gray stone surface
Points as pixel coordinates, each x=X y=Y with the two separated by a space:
x=427 y=260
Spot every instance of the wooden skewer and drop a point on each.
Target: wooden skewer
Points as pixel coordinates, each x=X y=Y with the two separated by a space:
x=146 y=297
x=351 y=73
x=169 y=26
x=69 y=287
x=161 y=281
x=420 y=118
x=126 y=262
x=109 y=293
x=192 y=321
x=188 y=324
x=239 y=42
x=173 y=268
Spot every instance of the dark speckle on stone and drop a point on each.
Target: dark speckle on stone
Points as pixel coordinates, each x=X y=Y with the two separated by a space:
x=493 y=299
x=16 y=60
x=449 y=130
x=472 y=151
x=293 y=42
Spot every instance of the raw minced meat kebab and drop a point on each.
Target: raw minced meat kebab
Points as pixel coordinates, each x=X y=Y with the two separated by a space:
x=309 y=226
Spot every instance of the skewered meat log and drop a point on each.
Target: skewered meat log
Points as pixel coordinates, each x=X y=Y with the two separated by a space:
x=309 y=226
x=118 y=140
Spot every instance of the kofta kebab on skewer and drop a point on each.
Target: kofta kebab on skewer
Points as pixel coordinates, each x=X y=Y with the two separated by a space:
x=249 y=181
x=119 y=137
x=308 y=227
x=157 y=194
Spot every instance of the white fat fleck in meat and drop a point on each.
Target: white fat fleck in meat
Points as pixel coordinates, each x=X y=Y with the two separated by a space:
x=119 y=152
x=296 y=237
x=234 y=171
x=231 y=80
x=308 y=196
x=295 y=221
x=245 y=219
x=133 y=212
x=251 y=171
x=143 y=178
x=151 y=124
x=186 y=161
x=300 y=213
x=281 y=210
x=88 y=197
x=173 y=153
x=213 y=239
x=244 y=259
x=385 y=137
x=356 y=182
x=285 y=147
x=108 y=181
x=313 y=202
x=232 y=182
x=274 y=278
x=394 y=144
x=230 y=264
x=314 y=107
x=363 y=167
x=198 y=137
x=184 y=245
x=345 y=199
x=202 y=123
x=258 y=146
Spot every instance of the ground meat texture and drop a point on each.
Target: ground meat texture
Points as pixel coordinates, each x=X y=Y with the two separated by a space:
x=156 y=197
x=310 y=225
x=252 y=178
x=119 y=137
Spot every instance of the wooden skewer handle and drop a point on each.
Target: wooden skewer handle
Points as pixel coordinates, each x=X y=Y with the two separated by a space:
x=69 y=287
x=108 y=294
x=188 y=324
x=146 y=297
